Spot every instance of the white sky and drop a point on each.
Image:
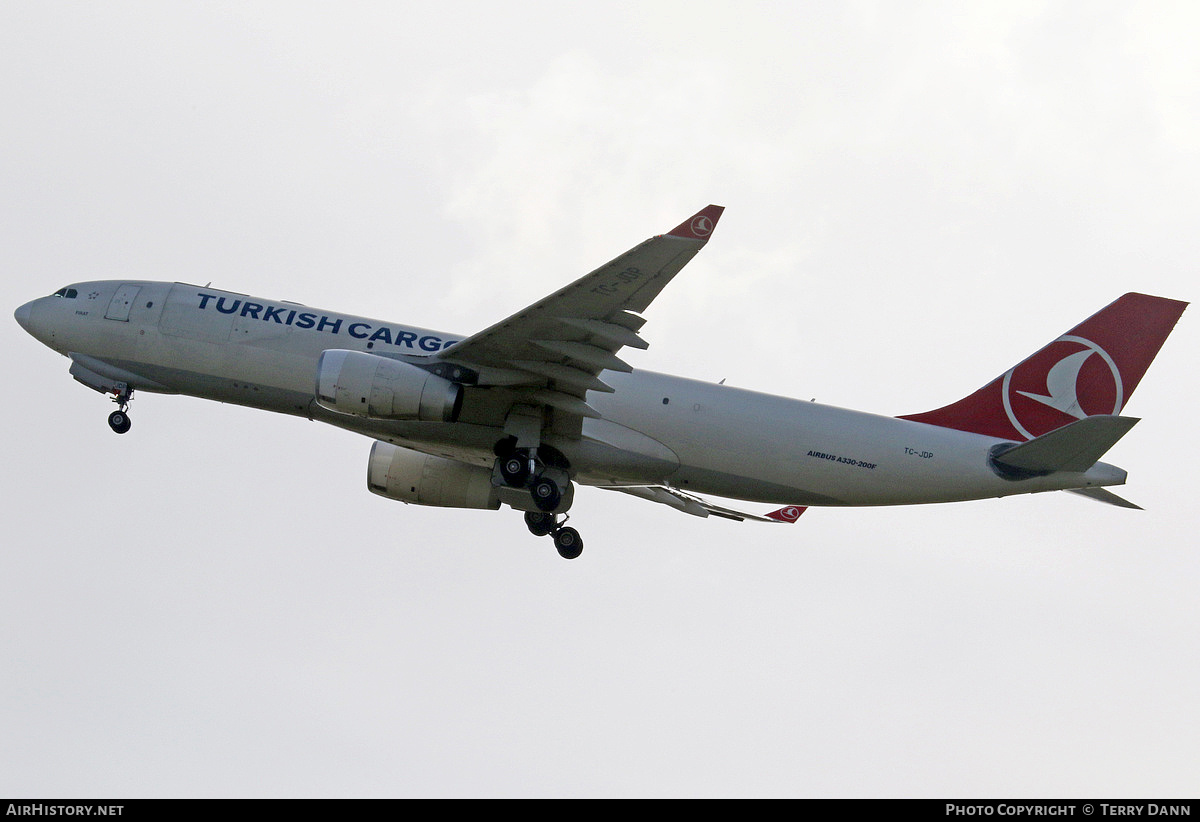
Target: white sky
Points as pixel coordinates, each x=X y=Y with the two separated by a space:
x=918 y=195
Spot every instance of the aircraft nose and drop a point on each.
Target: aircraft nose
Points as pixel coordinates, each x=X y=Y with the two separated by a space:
x=24 y=316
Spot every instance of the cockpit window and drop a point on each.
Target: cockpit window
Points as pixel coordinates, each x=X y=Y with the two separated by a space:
x=68 y=293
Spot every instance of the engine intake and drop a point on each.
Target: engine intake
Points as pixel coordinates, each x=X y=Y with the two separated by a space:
x=367 y=385
x=409 y=476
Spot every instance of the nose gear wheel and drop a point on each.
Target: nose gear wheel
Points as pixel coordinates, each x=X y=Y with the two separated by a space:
x=119 y=420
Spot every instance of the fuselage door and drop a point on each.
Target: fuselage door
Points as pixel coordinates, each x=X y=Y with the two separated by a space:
x=122 y=301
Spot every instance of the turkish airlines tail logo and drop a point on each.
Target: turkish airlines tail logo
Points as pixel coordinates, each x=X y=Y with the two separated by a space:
x=1092 y=369
x=1072 y=377
x=1062 y=382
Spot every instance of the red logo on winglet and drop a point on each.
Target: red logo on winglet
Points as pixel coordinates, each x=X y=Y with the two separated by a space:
x=700 y=225
x=789 y=514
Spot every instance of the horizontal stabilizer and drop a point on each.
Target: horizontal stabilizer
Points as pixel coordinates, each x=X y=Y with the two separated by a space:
x=1106 y=496
x=1075 y=447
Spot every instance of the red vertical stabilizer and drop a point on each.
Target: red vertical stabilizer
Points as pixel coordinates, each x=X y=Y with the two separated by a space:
x=1092 y=369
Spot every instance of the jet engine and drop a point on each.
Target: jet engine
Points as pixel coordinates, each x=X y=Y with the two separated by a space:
x=367 y=385
x=423 y=479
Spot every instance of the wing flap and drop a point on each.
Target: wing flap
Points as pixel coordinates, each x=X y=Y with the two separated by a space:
x=565 y=374
x=585 y=354
x=610 y=332
x=565 y=402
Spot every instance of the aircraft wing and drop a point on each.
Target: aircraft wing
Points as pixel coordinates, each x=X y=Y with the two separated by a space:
x=552 y=352
x=699 y=507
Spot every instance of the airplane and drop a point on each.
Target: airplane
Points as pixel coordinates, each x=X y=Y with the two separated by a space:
x=522 y=412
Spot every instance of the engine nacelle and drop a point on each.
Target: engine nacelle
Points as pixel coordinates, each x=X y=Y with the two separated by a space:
x=410 y=476
x=367 y=385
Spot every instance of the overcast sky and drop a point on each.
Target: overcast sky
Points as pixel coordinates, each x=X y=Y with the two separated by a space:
x=918 y=195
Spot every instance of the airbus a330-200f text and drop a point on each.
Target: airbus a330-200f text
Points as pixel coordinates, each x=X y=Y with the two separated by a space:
x=523 y=412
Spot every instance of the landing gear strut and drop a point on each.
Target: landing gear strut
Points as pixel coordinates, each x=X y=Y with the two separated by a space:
x=567 y=541
x=118 y=420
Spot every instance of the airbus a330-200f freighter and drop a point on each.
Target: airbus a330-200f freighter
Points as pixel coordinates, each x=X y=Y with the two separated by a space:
x=524 y=411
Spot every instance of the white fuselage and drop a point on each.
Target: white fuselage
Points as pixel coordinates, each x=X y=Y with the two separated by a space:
x=654 y=428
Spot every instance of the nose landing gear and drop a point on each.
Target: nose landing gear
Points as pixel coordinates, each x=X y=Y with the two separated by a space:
x=567 y=541
x=118 y=420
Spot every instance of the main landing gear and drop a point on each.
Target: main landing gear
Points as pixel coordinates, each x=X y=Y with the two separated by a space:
x=540 y=477
x=118 y=420
x=567 y=541
x=520 y=470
